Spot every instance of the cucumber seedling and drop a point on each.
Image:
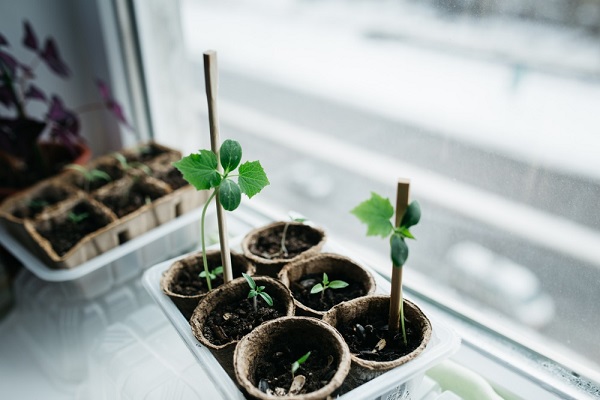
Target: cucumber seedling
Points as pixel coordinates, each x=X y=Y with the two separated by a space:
x=296 y=364
x=201 y=171
x=377 y=213
x=325 y=284
x=256 y=291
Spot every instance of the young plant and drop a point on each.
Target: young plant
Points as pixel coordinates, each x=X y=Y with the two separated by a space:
x=376 y=213
x=256 y=291
x=77 y=217
x=89 y=175
x=296 y=364
x=201 y=170
x=283 y=250
x=325 y=284
x=128 y=166
x=212 y=274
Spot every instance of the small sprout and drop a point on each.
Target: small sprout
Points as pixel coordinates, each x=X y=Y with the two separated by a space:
x=296 y=364
x=77 y=217
x=283 y=249
x=256 y=291
x=213 y=273
x=325 y=284
x=128 y=166
x=90 y=175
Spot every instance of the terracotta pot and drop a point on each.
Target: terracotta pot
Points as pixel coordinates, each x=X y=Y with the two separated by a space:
x=357 y=311
x=271 y=265
x=336 y=266
x=231 y=293
x=193 y=262
x=302 y=333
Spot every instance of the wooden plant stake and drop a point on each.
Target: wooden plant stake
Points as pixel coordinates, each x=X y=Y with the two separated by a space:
x=396 y=300
x=211 y=79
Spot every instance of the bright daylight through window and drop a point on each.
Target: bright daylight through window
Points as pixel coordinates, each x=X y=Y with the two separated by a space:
x=489 y=107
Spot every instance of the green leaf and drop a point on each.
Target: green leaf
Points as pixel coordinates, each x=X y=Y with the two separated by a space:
x=295 y=367
x=303 y=359
x=252 y=178
x=250 y=281
x=252 y=293
x=218 y=270
x=412 y=215
x=376 y=213
x=98 y=174
x=325 y=279
x=316 y=289
x=266 y=298
x=230 y=154
x=404 y=232
x=200 y=170
x=230 y=195
x=337 y=284
x=399 y=250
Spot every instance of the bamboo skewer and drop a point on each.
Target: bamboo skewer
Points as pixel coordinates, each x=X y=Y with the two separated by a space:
x=211 y=79
x=396 y=298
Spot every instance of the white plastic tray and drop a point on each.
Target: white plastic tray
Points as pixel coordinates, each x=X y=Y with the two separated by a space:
x=400 y=381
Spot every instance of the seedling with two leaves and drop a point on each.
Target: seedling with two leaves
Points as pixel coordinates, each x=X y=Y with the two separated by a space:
x=202 y=171
x=377 y=213
x=212 y=274
x=89 y=175
x=256 y=291
x=325 y=284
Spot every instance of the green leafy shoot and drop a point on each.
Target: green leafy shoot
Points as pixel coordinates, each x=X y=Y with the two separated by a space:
x=377 y=213
x=296 y=364
x=212 y=274
x=202 y=171
x=256 y=291
x=128 y=166
x=89 y=175
x=325 y=284
x=77 y=217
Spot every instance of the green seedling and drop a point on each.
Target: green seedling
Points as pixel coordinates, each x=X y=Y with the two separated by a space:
x=201 y=170
x=377 y=213
x=128 y=166
x=283 y=251
x=325 y=284
x=77 y=217
x=89 y=175
x=212 y=274
x=38 y=204
x=256 y=291
x=299 y=362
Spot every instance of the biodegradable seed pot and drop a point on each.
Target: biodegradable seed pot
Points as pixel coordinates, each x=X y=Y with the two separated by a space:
x=312 y=296
x=263 y=246
x=184 y=285
x=295 y=357
x=363 y=324
x=226 y=314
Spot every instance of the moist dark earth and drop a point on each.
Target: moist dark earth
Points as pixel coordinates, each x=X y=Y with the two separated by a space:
x=299 y=238
x=47 y=198
x=126 y=202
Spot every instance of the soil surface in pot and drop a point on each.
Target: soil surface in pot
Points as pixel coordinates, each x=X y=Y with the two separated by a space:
x=49 y=196
x=328 y=298
x=112 y=170
x=371 y=339
x=173 y=178
x=65 y=233
x=127 y=201
x=146 y=153
x=273 y=372
x=187 y=282
x=233 y=321
x=298 y=239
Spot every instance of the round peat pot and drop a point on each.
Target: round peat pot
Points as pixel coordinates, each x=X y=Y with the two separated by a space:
x=262 y=246
x=218 y=325
x=263 y=359
x=360 y=320
x=182 y=283
x=300 y=276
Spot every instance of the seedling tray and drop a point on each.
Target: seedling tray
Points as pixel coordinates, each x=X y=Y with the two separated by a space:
x=398 y=383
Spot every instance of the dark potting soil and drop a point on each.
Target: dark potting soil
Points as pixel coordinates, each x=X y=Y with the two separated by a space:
x=234 y=321
x=371 y=339
x=48 y=197
x=146 y=153
x=63 y=234
x=127 y=201
x=173 y=178
x=189 y=283
x=273 y=372
x=113 y=170
x=298 y=239
x=323 y=301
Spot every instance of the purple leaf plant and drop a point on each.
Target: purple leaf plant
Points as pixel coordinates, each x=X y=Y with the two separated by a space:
x=17 y=90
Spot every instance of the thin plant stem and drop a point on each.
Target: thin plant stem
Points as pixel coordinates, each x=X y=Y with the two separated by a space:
x=203 y=241
x=283 y=248
x=255 y=303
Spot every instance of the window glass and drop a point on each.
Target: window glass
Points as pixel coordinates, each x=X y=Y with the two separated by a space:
x=490 y=108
